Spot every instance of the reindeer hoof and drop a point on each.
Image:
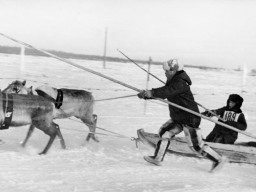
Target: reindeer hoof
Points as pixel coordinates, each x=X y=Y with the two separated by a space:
x=63 y=146
x=22 y=144
x=90 y=135
x=1 y=142
x=95 y=139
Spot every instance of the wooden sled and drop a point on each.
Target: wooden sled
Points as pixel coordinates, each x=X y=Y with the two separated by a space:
x=237 y=153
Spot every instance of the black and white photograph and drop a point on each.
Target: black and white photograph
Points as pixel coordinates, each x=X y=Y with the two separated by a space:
x=127 y=95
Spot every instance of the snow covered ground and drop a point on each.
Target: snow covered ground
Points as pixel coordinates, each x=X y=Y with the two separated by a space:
x=115 y=164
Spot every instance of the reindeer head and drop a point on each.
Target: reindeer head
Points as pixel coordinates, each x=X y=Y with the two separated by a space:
x=18 y=87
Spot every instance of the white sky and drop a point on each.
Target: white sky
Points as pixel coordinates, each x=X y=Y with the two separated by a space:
x=218 y=33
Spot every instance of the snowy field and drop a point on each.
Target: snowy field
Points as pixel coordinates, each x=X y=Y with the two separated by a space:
x=115 y=164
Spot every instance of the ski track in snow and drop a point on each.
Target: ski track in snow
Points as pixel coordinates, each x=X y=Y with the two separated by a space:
x=115 y=164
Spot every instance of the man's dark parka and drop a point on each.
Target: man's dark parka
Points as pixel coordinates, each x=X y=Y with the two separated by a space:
x=177 y=90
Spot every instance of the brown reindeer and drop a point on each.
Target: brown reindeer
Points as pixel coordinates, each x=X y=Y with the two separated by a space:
x=68 y=103
x=30 y=110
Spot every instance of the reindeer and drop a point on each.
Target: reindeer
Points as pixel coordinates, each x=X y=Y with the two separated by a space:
x=29 y=110
x=68 y=103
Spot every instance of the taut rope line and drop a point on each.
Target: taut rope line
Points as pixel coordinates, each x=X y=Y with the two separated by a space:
x=117 y=134
x=115 y=98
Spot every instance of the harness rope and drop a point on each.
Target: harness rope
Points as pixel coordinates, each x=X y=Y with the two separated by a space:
x=115 y=98
x=118 y=134
x=136 y=140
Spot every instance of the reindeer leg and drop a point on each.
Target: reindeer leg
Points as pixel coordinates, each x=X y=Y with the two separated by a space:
x=62 y=142
x=92 y=128
x=49 y=144
x=30 y=131
x=52 y=132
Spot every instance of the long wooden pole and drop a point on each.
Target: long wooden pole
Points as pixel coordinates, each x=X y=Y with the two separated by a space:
x=71 y=63
x=139 y=66
x=204 y=117
x=131 y=87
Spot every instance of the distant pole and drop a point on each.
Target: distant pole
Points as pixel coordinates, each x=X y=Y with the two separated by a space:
x=22 y=58
x=105 y=48
x=149 y=66
x=147 y=82
x=244 y=77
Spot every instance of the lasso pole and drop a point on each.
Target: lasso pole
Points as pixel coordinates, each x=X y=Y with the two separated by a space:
x=140 y=66
x=71 y=63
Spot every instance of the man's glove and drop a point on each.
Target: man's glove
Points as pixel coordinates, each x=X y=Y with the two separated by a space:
x=206 y=113
x=145 y=94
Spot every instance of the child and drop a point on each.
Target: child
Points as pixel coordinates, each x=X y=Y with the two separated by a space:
x=233 y=116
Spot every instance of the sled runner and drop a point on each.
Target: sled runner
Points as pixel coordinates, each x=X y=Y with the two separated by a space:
x=237 y=153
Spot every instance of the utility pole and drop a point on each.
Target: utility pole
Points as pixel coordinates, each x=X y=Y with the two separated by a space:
x=22 y=57
x=244 y=77
x=105 y=48
x=147 y=82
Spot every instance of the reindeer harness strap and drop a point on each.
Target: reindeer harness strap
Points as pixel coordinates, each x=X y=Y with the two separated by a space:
x=57 y=102
x=59 y=99
x=7 y=109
